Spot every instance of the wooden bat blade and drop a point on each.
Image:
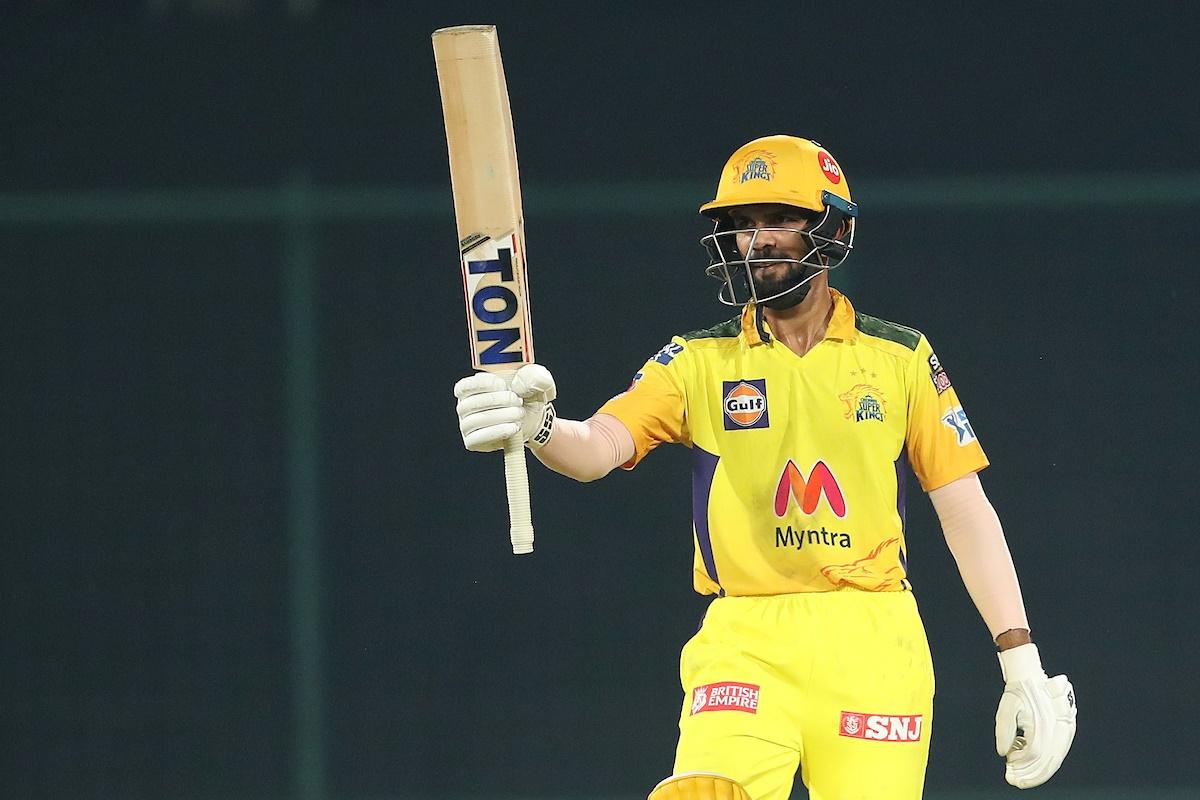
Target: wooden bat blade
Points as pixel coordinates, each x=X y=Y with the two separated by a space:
x=491 y=226
x=487 y=195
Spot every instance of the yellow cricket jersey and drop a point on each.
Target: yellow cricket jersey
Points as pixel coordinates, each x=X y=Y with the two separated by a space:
x=798 y=461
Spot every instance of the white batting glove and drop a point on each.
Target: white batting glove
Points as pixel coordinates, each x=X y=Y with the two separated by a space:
x=494 y=407
x=1035 y=723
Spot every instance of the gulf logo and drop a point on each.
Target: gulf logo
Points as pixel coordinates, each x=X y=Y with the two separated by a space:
x=744 y=404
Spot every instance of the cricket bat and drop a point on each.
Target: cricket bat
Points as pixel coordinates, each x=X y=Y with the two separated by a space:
x=491 y=227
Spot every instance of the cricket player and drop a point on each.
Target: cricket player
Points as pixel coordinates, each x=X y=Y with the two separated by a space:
x=803 y=416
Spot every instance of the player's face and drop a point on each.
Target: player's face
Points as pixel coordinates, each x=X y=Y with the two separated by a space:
x=772 y=277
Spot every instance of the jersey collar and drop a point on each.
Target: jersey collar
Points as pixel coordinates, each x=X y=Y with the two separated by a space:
x=755 y=330
x=841 y=324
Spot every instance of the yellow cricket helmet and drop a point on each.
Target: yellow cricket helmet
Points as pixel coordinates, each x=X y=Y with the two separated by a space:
x=780 y=169
x=790 y=171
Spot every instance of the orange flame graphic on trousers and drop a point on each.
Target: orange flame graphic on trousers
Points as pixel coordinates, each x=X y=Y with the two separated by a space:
x=808 y=492
x=863 y=573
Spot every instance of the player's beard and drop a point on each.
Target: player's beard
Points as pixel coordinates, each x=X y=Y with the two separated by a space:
x=788 y=286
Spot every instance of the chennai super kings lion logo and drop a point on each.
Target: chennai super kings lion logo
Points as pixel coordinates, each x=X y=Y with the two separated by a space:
x=864 y=402
x=758 y=165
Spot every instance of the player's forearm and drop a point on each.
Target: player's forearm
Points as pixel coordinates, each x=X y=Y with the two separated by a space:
x=976 y=540
x=586 y=450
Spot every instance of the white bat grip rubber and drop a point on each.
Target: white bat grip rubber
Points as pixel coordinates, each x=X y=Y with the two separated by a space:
x=517 y=479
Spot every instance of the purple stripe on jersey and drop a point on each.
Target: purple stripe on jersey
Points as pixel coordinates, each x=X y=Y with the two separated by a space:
x=901 y=493
x=704 y=467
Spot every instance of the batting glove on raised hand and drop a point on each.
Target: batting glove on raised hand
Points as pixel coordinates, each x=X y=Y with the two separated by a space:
x=494 y=407
x=1035 y=723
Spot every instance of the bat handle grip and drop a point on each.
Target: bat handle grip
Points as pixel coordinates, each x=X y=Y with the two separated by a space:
x=517 y=479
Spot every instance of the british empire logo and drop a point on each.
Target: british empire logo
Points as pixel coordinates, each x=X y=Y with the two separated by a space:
x=726 y=696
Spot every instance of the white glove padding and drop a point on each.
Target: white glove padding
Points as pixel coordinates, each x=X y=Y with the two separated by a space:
x=1035 y=723
x=493 y=407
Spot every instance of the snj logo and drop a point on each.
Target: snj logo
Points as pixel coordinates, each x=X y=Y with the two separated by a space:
x=807 y=492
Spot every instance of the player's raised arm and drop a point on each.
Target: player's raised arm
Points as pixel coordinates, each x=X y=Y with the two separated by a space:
x=491 y=409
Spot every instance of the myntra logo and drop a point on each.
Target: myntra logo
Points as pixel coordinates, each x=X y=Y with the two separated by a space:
x=807 y=492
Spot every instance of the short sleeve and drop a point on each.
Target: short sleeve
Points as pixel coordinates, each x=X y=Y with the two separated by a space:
x=654 y=407
x=942 y=445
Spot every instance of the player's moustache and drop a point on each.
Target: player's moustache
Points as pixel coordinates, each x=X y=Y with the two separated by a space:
x=765 y=252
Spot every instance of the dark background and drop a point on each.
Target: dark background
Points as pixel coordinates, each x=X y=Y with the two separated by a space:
x=244 y=554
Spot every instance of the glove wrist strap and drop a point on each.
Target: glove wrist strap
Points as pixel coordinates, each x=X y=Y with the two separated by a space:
x=545 y=429
x=1021 y=663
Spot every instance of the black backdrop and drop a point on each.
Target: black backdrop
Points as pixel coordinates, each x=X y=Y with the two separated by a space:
x=152 y=514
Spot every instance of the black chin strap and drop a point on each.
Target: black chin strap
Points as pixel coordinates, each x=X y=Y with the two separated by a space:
x=761 y=324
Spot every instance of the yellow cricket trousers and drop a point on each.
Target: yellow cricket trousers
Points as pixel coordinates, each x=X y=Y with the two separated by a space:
x=839 y=684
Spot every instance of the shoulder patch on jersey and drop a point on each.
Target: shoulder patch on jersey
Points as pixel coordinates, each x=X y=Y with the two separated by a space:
x=882 y=329
x=667 y=354
x=729 y=329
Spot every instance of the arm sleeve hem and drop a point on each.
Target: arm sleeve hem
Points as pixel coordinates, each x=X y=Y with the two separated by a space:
x=937 y=482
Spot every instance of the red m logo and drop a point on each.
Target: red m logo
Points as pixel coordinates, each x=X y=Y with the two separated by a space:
x=807 y=493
